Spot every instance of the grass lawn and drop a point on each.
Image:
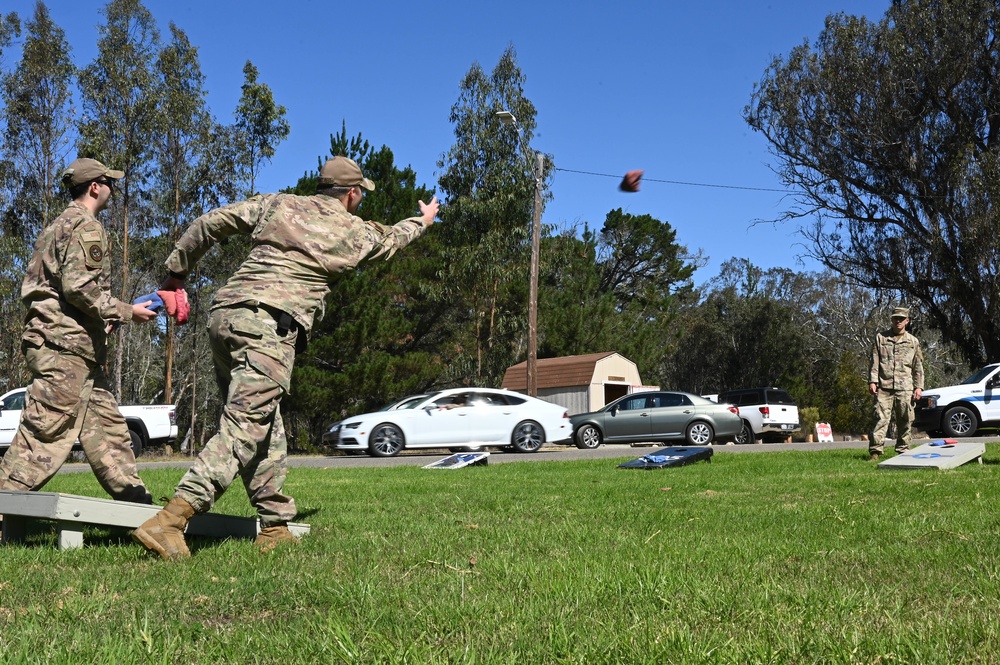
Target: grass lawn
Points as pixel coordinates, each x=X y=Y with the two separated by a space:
x=779 y=557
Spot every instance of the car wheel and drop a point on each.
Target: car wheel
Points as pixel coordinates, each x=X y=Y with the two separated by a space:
x=960 y=421
x=136 y=441
x=386 y=440
x=745 y=435
x=588 y=437
x=527 y=437
x=699 y=433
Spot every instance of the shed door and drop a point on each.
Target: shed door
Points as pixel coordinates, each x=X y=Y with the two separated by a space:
x=613 y=391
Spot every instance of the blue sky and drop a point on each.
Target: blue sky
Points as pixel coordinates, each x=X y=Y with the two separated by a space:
x=649 y=84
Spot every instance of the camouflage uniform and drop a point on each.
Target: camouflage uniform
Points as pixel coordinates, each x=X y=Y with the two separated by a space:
x=897 y=369
x=67 y=294
x=299 y=243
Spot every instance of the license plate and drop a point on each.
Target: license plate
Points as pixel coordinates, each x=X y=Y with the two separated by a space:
x=786 y=427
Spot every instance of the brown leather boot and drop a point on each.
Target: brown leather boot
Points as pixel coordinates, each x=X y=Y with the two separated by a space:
x=271 y=536
x=163 y=533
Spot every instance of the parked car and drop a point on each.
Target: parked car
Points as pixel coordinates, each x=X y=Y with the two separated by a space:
x=148 y=425
x=332 y=435
x=458 y=419
x=657 y=416
x=766 y=413
x=961 y=410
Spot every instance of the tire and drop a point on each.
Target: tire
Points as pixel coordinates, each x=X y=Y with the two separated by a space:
x=959 y=421
x=527 y=437
x=588 y=437
x=136 y=442
x=386 y=440
x=699 y=433
x=745 y=435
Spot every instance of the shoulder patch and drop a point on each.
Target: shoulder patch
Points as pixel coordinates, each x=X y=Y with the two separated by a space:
x=95 y=253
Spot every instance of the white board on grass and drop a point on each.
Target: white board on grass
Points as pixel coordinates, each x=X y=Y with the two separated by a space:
x=933 y=455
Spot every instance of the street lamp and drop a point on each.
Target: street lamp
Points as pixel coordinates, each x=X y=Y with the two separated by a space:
x=507 y=118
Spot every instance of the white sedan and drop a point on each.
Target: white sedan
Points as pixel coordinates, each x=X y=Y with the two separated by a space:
x=460 y=419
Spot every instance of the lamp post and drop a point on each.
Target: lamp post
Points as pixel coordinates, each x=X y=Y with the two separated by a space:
x=507 y=118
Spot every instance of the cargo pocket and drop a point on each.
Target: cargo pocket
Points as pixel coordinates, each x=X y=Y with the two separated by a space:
x=272 y=368
x=49 y=411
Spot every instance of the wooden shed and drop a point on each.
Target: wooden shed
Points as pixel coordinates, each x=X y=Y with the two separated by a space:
x=579 y=383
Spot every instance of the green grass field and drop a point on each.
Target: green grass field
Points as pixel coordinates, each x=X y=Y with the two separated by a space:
x=778 y=557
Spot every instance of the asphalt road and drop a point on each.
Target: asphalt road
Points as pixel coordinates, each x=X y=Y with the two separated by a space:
x=546 y=454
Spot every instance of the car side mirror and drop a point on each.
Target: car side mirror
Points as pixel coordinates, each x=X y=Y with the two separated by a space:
x=993 y=381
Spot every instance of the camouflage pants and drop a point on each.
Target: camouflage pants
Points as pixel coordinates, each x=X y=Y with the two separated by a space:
x=895 y=406
x=253 y=366
x=69 y=398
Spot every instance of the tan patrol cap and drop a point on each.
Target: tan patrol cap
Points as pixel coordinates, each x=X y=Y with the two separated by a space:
x=900 y=313
x=343 y=172
x=85 y=169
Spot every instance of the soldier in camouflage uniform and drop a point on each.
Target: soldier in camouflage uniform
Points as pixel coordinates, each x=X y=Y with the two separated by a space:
x=896 y=379
x=258 y=320
x=70 y=310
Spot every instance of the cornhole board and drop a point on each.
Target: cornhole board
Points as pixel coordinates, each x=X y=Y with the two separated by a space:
x=459 y=460
x=72 y=513
x=668 y=457
x=939 y=454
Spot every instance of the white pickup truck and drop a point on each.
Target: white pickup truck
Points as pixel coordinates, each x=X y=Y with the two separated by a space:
x=148 y=425
x=961 y=410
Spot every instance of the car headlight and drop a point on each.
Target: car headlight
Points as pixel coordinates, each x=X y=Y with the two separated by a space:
x=352 y=425
x=931 y=400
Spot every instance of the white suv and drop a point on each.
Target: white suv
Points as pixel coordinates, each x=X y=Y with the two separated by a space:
x=767 y=413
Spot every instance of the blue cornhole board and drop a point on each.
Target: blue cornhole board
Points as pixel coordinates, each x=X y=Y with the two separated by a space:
x=459 y=460
x=667 y=457
x=940 y=454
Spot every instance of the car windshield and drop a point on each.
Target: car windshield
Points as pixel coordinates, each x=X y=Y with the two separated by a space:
x=980 y=375
x=406 y=403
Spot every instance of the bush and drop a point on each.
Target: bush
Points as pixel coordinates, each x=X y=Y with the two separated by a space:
x=808 y=417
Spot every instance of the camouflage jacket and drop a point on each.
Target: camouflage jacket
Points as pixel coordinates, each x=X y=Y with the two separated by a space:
x=897 y=362
x=67 y=290
x=299 y=243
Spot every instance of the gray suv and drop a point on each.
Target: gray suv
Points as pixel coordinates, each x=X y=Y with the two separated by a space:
x=767 y=413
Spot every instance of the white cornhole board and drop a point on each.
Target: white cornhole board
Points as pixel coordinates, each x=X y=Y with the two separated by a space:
x=458 y=460
x=936 y=457
x=72 y=513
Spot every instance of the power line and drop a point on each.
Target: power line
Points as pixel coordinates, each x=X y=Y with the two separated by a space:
x=680 y=182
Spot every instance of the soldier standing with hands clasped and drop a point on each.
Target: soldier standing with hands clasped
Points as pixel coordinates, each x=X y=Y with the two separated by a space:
x=70 y=309
x=896 y=379
x=258 y=321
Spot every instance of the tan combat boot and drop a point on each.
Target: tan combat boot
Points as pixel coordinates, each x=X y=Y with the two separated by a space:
x=163 y=533
x=271 y=536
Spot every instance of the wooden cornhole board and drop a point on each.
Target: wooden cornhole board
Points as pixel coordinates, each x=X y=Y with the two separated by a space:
x=72 y=513
x=668 y=457
x=931 y=456
x=460 y=460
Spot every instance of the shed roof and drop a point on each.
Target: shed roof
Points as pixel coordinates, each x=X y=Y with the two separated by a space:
x=556 y=372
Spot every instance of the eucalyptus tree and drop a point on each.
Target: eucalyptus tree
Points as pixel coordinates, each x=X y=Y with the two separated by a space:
x=260 y=126
x=183 y=149
x=888 y=132
x=488 y=185
x=121 y=96
x=38 y=98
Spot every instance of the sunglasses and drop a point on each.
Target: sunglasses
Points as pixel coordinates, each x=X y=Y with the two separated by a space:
x=110 y=184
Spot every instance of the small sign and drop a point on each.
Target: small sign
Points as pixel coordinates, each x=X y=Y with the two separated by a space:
x=824 y=433
x=458 y=460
